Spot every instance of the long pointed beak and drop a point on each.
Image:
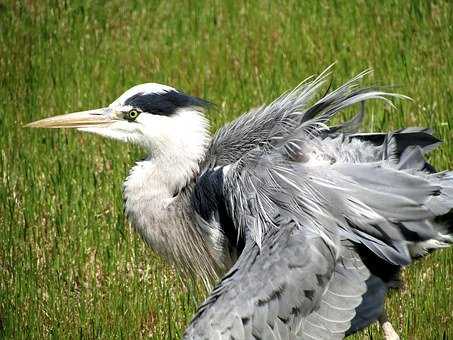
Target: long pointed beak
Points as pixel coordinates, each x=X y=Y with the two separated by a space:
x=83 y=119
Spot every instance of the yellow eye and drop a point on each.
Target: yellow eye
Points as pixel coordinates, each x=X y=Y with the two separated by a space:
x=132 y=114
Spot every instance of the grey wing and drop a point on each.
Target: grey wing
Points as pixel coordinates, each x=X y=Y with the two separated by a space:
x=346 y=191
x=306 y=226
x=373 y=204
x=289 y=288
x=295 y=278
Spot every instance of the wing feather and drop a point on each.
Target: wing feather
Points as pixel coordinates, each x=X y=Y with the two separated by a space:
x=308 y=202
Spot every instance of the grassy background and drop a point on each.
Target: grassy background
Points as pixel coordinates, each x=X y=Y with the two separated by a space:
x=70 y=266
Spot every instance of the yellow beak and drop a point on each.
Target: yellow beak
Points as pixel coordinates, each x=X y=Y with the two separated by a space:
x=83 y=119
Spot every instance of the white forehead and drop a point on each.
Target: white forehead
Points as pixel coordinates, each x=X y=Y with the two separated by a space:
x=146 y=88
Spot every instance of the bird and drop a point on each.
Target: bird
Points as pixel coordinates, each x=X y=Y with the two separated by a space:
x=300 y=226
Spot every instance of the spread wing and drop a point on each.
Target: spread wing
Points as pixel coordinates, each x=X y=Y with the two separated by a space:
x=289 y=288
x=309 y=204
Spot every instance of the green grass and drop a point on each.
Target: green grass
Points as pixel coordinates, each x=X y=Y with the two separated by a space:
x=70 y=265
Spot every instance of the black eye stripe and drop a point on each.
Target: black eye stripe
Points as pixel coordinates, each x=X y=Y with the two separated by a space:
x=165 y=103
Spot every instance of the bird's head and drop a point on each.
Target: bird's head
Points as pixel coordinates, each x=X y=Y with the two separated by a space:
x=152 y=115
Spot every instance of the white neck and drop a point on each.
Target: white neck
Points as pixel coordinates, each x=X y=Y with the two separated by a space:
x=152 y=184
x=176 y=146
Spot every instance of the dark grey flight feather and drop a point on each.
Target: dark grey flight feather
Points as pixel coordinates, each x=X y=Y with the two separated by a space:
x=317 y=216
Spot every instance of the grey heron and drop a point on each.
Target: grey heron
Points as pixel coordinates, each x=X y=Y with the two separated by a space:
x=305 y=226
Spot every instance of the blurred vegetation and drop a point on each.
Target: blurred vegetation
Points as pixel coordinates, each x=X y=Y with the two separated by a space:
x=70 y=265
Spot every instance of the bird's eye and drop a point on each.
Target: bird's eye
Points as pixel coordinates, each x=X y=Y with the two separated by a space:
x=132 y=114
